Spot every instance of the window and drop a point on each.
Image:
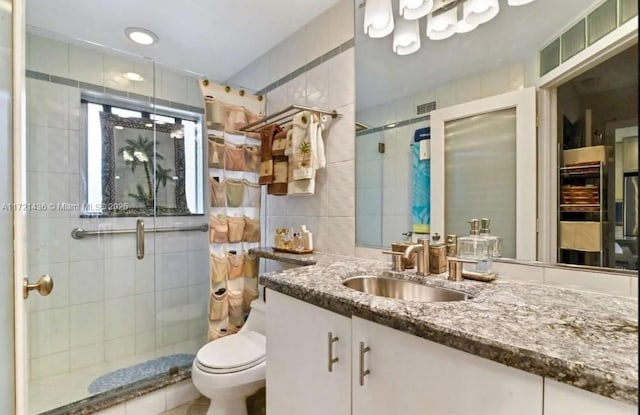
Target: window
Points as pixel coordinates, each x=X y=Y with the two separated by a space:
x=184 y=166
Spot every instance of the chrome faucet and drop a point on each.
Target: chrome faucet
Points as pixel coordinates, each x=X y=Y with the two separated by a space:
x=422 y=253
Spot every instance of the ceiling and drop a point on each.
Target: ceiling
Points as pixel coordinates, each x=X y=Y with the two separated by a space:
x=212 y=38
x=514 y=35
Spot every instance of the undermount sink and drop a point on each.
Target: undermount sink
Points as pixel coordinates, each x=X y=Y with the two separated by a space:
x=402 y=290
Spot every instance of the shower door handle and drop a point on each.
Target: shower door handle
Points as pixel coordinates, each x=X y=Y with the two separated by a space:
x=140 y=239
x=44 y=286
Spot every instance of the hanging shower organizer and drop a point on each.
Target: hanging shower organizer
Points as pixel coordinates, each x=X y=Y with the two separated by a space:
x=234 y=222
x=283 y=117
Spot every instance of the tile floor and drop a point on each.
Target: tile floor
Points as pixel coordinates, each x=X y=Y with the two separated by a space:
x=197 y=407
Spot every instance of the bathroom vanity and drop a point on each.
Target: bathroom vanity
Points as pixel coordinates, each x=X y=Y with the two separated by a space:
x=512 y=348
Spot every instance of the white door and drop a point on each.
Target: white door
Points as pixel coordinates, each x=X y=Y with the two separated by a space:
x=483 y=164
x=412 y=376
x=308 y=359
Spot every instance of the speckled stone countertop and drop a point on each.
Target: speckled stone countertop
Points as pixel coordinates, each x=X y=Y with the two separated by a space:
x=583 y=339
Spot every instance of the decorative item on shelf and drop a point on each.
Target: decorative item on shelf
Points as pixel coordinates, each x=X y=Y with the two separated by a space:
x=299 y=242
x=444 y=19
x=437 y=255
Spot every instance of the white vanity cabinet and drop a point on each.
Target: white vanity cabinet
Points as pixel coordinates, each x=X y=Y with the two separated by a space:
x=410 y=375
x=563 y=399
x=383 y=371
x=298 y=353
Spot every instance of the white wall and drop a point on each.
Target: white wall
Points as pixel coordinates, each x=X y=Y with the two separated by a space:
x=330 y=212
x=7 y=387
x=106 y=304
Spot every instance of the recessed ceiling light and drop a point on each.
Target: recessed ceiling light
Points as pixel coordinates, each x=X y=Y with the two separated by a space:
x=141 y=36
x=134 y=76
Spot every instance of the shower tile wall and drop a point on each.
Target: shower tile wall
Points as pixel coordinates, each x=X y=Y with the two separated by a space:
x=395 y=178
x=106 y=305
x=330 y=212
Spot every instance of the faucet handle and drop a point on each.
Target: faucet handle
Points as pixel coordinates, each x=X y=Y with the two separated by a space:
x=397 y=262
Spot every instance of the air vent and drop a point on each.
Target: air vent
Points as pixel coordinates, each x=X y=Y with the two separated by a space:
x=425 y=108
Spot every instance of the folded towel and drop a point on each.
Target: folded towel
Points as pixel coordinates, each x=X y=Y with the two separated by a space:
x=266 y=158
x=306 y=152
x=279 y=143
x=280 y=176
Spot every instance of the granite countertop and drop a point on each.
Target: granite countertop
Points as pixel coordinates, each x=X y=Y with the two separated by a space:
x=584 y=339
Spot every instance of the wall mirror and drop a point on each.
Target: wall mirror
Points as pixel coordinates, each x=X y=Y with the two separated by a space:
x=141 y=163
x=396 y=94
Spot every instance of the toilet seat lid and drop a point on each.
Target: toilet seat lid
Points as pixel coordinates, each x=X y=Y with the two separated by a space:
x=241 y=350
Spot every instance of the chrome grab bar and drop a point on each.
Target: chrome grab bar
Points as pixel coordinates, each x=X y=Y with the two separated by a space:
x=140 y=239
x=79 y=233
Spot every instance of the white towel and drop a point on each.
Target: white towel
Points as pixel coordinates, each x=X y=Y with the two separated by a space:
x=306 y=135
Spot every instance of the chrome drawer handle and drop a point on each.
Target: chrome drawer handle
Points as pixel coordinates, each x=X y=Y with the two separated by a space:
x=332 y=359
x=363 y=349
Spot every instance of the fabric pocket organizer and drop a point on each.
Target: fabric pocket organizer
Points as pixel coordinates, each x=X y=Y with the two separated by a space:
x=235 y=192
x=236 y=229
x=218 y=306
x=218 y=193
x=250 y=266
x=251 y=194
x=214 y=115
x=236 y=265
x=219 y=269
x=251 y=158
x=251 y=230
x=218 y=229
x=216 y=152
x=233 y=157
x=235 y=295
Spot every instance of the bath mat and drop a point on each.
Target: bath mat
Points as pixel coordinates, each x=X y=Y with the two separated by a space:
x=138 y=372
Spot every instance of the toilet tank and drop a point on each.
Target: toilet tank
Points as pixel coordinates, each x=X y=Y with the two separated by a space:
x=257 y=317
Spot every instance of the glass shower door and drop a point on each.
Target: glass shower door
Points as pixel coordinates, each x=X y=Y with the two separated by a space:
x=98 y=323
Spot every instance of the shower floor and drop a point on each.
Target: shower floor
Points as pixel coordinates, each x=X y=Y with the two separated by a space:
x=56 y=391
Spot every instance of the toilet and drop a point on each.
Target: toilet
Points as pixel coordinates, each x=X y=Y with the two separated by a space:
x=232 y=368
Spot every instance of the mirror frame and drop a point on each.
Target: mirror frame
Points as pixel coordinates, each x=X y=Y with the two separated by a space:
x=108 y=123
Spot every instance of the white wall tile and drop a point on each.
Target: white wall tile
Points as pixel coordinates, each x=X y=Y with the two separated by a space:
x=317 y=36
x=147 y=70
x=150 y=404
x=198 y=267
x=297 y=50
x=48 y=149
x=341 y=23
x=588 y=281
x=86 y=65
x=277 y=58
x=50 y=365
x=342 y=236
x=86 y=324
x=342 y=188
x=86 y=281
x=86 y=356
x=119 y=277
x=277 y=99
x=48 y=332
x=115 y=67
x=145 y=312
x=340 y=138
x=194 y=93
x=171 y=271
x=49 y=56
x=181 y=393
x=47 y=104
x=371 y=253
x=317 y=85
x=48 y=240
x=174 y=85
x=342 y=79
x=297 y=90
x=117 y=319
x=119 y=348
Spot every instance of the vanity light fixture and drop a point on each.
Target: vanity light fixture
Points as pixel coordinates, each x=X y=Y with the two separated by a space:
x=442 y=24
x=406 y=37
x=415 y=9
x=444 y=19
x=378 y=18
x=141 y=36
x=476 y=12
x=133 y=76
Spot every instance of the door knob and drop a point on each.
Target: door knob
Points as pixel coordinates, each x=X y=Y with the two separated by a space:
x=44 y=286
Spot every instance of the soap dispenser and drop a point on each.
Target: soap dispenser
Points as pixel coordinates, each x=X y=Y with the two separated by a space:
x=476 y=247
x=437 y=255
x=485 y=232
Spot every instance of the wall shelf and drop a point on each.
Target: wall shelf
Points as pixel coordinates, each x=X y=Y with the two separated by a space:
x=283 y=117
